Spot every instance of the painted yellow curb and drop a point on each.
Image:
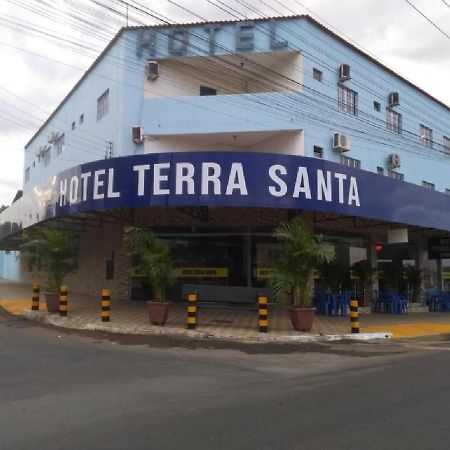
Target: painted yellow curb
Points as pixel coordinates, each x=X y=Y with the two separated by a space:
x=412 y=329
x=17 y=306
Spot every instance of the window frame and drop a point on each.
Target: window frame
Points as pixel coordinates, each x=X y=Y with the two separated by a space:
x=428 y=185
x=318 y=150
x=399 y=176
x=103 y=105
x=394 y=121
x=426 y=136
x=350 y=162
x=317 y=75
x=446 y=144
x=347 y=100
x=47 y=155
x=59 y=144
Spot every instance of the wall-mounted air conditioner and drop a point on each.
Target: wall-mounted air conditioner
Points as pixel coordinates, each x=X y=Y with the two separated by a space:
x=394 y=161
x=52 y=137
x=344 y=72
x=342 y=142
x=138 y=135
x=152 y=70
x=394 y=99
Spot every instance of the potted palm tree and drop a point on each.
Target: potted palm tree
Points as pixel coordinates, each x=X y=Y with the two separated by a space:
x=366 y=274
x=293 y=278
x=151 y=259
x=54 y=252
x=414 y=277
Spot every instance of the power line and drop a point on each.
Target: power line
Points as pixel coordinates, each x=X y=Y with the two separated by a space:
x=428 y=19
x=319 y=119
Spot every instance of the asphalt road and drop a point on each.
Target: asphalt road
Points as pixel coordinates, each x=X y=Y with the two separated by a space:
x=63 y=390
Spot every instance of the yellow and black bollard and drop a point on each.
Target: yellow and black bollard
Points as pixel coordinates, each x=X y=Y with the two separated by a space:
x=263 y=316
x=354 y=316
x=106 y=305
x=35 y=298
x=192 y=312
x=63 y=293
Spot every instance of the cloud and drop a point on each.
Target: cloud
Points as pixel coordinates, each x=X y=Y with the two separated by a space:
x=393 y=31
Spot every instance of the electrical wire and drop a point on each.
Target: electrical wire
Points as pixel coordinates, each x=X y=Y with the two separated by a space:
x=428 y=19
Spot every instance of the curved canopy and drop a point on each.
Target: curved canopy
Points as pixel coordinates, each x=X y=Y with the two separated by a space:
x=227 y=179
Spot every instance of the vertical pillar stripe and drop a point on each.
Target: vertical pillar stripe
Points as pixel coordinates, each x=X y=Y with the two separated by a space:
x=354 y=320
x=63 y=294
x=192 y=311
x=35 y=297
x=106 y=305
x=263 y=315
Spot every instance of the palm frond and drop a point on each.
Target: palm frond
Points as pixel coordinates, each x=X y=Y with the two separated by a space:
x=300 y=254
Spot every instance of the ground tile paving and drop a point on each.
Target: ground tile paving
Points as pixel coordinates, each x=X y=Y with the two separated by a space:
x=131 y=317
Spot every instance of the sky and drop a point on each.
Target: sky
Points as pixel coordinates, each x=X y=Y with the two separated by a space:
x=45 y=49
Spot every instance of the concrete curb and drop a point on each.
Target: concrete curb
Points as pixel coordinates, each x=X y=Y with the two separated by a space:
x=199 y=334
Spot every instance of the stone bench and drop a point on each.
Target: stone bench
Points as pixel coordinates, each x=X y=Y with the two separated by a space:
x=208 y=294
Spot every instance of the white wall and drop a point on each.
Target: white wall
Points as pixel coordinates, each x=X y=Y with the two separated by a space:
x=183 y=77
x=291 y=143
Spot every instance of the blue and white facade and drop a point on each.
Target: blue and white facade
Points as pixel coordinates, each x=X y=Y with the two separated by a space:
x=226 y=129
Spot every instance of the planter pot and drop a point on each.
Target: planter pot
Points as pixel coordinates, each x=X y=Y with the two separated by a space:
x=157 y=312
x=302 y=318
x=52 y=301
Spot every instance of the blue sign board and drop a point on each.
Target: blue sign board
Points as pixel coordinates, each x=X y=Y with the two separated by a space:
x=239 y=179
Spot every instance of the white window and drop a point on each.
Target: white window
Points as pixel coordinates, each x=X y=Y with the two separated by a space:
x=428 y=185
x=27 y=174
x=347 y=100
x=393 y=121
x=47 y=156
x=103 y=104
x=355 y=163
x=59 y=144
x=446 y=144
x=396 y=175
x=426 y=135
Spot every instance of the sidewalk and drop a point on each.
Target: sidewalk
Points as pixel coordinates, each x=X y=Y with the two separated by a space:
x=131 y=317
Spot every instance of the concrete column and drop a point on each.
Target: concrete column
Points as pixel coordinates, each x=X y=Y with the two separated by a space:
x=372 y=259
x=440 y=281
x=247 y=254
x=421 y=259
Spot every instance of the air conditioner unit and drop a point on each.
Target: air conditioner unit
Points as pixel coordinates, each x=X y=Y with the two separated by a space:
x=52 y=137
x=152 y=70
x=342 y=142
x=394 y=99
x=344 y=72
x=138 y=135
x=394 y=161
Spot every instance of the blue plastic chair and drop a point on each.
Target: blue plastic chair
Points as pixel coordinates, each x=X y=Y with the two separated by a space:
x=344 y=302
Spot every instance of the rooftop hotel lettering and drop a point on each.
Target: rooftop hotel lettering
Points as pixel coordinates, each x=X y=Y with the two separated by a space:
x=177 y=40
